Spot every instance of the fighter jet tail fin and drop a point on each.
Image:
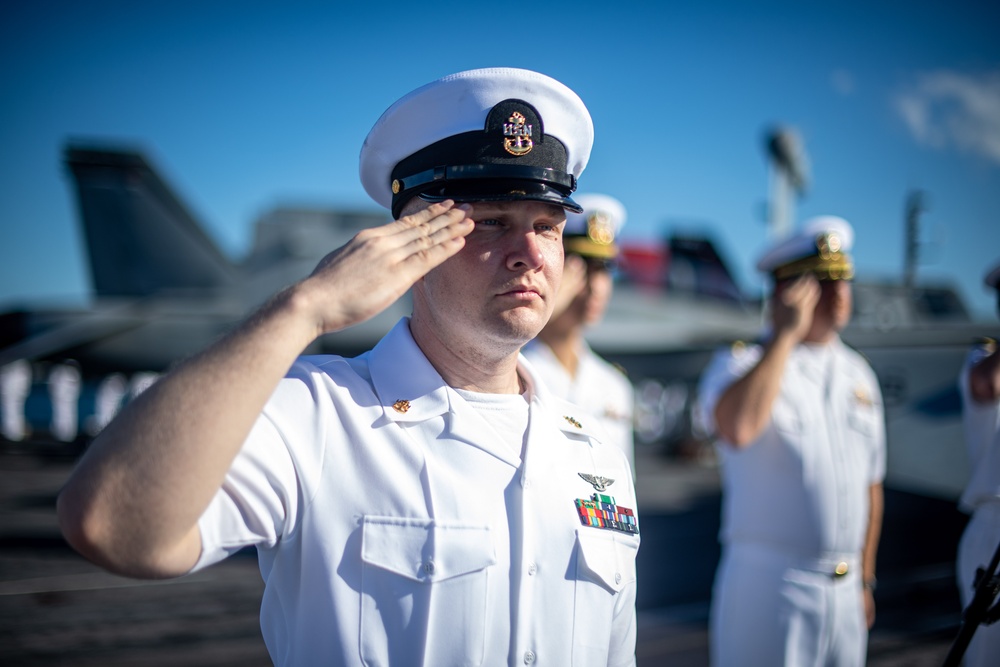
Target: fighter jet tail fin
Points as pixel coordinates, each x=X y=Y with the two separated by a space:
x=695 y=265
x=689 y=264
x=141 y=239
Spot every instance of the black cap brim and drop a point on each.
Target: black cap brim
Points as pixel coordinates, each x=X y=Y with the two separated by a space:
x=472 y=192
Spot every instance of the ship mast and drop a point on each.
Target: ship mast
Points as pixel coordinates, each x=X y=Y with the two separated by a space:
x=915 y=205
x=788 y=176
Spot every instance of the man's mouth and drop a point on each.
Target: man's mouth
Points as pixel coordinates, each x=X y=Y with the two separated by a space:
x=522 y=292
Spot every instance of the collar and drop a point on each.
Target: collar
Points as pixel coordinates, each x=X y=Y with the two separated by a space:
x=815 y=360
x=567 y=417
x=410 y=389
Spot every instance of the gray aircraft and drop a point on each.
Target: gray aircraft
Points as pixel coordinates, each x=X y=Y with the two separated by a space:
x=162 y=290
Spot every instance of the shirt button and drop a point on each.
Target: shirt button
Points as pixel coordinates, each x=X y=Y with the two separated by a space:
x=618 y=577
x=429 y=567
x=532 y=568
x=529 y=657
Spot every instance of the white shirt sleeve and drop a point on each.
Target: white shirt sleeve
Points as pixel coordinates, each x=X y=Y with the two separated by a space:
x=878 y=464
x=726 y=367
x=258 y=498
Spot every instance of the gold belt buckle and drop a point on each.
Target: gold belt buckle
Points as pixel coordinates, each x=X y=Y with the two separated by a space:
x=840 y=570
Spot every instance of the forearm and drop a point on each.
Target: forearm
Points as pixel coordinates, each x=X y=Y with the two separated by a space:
x=133 y=502
x=876 y=504
x=984 y=379
x=744 y=408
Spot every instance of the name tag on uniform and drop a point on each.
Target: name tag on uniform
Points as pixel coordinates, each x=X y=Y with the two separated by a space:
x=601 y=511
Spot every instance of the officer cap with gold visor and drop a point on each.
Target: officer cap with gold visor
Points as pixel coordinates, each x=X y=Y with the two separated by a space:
x=499 y=134
x=591 y=233
x=821 y=246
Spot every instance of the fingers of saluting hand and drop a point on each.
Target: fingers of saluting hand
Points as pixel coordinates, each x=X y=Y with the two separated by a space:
x=378 y=265
x=803 y=291
x=431 y=235
x=415 y=243
x=574 y=279
x=574 y=274
x=794 y=304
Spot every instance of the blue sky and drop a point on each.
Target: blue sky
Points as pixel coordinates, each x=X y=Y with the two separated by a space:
x=245 y=105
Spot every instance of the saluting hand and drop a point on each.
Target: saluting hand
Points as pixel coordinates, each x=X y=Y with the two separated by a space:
x=574 y=280
x=793 y=305
x=365 y=276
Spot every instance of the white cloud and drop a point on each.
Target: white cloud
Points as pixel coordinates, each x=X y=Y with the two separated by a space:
x=946 y=109
x=842 y=81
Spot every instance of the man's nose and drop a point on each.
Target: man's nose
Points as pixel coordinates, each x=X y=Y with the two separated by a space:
x=525 y=253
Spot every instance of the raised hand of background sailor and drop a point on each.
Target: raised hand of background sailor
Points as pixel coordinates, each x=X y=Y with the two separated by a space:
x=574 y=281
x=744 y=408
x=984 y=377
x=792 y=306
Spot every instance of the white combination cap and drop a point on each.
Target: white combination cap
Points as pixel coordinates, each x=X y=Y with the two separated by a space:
x=820 y=246
x=592 y=232
x=499 y=134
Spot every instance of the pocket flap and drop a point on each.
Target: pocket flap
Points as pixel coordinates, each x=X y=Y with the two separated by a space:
x=862 y=423
x=607 y=558
x=425 y=549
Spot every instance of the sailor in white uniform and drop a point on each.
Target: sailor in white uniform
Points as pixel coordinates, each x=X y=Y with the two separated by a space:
x=800 y=424
x=560 y=353
x=15 y=385
x=64 y=396
x=428 y=502
x=979 y=385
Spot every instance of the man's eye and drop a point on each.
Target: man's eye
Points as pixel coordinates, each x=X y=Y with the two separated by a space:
x=490 y=222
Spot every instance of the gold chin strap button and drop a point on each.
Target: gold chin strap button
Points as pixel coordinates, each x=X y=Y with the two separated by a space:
x=840 y=570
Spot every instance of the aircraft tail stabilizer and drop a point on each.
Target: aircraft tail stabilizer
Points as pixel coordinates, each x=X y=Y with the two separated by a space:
x=141 y=238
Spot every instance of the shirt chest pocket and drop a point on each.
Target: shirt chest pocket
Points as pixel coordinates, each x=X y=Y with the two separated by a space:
x=862 y=431
x=424 y=578
x=862 y=421
x=786 y=419
x=605 y=566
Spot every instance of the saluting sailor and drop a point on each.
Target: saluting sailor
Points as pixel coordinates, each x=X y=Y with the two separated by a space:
x=561 y=354
x=979 y=384
x=428 y=502
x=801 y=428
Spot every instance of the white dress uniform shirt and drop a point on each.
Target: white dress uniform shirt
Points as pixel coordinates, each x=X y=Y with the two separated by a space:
x=795 y=506
x=979 y=542
x=394 y=527
x=64 y=395
x=15 y=384
x=599 y=388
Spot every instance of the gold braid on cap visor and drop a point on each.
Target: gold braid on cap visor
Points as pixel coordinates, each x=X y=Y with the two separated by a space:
x=582 y=245
x=599 y=241
x=831 y=266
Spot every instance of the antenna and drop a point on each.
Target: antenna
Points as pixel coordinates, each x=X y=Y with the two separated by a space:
x=788 y=176
x=915 y=205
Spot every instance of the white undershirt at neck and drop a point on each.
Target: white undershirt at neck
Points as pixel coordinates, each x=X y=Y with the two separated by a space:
x=506 y=413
